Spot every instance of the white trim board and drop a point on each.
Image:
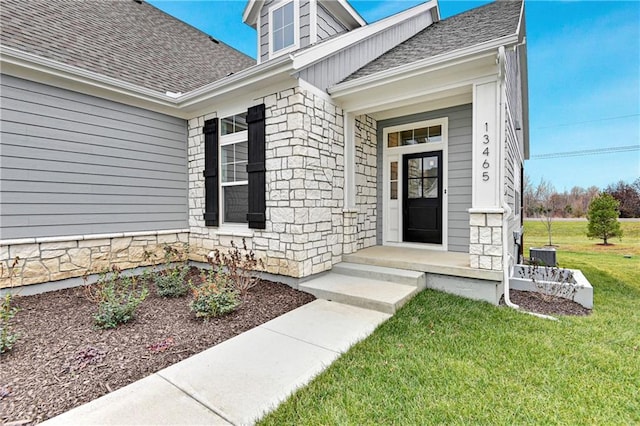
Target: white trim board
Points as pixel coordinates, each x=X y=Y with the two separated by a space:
x=395 y=154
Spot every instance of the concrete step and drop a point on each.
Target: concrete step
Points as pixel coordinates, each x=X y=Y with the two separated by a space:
x=382 y=273
x=381 y=296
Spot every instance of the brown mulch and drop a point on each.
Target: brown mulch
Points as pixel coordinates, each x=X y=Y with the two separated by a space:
x=61 y=361
x=549 y=305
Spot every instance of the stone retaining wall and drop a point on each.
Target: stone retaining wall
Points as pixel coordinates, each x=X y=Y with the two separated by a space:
x=40 y=260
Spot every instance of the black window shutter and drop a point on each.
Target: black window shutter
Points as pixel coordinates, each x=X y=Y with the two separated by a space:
x=211 y=172
x=256 y=168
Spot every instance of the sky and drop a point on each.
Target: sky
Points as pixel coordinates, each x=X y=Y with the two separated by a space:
x=584 y=78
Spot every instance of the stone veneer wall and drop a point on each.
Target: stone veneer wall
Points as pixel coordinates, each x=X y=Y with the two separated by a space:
x=40 y=260
x=305 y=181
x=485 y=242
x=366 y=180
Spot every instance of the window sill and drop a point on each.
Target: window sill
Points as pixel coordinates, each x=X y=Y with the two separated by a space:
x=235 y=231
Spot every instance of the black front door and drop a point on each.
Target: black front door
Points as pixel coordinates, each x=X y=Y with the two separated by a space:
x=422 y=197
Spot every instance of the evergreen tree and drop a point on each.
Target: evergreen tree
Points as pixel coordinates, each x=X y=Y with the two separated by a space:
x=603 y=218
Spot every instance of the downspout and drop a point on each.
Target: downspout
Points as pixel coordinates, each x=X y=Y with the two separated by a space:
x=506 y=214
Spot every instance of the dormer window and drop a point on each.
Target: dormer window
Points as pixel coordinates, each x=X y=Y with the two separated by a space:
x=283 y=28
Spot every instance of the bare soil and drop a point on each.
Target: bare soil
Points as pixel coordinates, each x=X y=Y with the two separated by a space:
x=61 y=361
x=548 y=305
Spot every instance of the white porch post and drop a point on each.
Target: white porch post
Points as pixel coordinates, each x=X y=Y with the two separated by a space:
x=485 y=216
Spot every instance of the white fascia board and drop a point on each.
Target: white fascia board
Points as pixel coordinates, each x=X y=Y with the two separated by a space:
x=246 y=77
x=381 y=77
x=336 y=44
x=26 y=64
x=343 y=10
x=23 y=62
x=251 y=10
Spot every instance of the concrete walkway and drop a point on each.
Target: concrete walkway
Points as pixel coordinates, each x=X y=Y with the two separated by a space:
x=239 y=380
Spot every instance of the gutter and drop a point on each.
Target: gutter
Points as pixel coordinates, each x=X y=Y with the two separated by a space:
x=364 y=83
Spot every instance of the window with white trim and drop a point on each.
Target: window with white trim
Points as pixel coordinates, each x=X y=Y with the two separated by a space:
x=283 y=27
x=234 y=152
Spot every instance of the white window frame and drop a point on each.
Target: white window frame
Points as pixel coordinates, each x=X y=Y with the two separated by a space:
x=226 y=140
x=395 y=154
x=296 y=28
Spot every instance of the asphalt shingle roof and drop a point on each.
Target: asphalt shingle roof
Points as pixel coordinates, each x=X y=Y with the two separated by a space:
x=124 y=39
x=475 y=26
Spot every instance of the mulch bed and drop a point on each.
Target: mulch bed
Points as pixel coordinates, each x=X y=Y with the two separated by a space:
x=61 y=361
x=548 y=305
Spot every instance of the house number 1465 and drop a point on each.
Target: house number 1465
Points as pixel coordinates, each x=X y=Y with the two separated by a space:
x=485 y=152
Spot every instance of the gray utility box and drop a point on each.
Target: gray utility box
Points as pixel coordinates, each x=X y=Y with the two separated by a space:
x=546 y=255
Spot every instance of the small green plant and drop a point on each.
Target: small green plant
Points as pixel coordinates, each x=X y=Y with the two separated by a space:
x=216 y=296
x=172 y=282
x=240 y=265
x=117 y=296
x=7 y=312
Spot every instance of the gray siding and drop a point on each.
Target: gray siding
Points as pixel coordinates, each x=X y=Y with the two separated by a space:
x=339 y=66
x=263 y=31
x=305 y=23
x=73 y=164
x=459 y=169
x=328 y=25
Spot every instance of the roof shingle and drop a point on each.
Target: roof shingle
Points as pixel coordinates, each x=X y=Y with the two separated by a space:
x=470 y=28
x=123 y=39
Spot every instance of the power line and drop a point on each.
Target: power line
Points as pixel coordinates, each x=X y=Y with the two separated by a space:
x=589 y=121
x=610 y=150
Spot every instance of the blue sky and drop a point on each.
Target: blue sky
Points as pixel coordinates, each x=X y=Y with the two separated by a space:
x=584 y=77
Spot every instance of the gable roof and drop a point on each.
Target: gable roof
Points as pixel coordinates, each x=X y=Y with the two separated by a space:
x=130 y=41
x=466 y=29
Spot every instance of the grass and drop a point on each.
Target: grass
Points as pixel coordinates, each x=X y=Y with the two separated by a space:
x=444 y=359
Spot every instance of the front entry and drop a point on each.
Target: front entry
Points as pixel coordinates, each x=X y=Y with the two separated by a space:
x=422 y=197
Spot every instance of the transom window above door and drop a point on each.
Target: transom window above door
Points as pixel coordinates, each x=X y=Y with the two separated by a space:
x=430 y=134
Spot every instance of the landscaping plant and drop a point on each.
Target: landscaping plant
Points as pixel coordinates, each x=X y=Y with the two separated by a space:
x=117 y=296
x=239 y=264
x=603 y=218
x=7 y=312
x=216 y=296
x=172 y=282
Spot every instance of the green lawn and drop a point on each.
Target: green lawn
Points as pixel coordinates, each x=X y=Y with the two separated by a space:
x=444 y=359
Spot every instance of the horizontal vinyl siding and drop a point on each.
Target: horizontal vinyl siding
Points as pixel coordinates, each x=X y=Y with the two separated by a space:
x=339 y=66
x=73 y=164
x=459 y=170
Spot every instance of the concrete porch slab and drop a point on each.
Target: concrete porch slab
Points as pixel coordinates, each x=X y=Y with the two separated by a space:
x=424 y=260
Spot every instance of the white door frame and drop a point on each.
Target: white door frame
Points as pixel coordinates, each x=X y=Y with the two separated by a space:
x=394 y=220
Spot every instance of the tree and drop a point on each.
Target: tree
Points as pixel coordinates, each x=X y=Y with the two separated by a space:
x=546 y=200
x=629 y=197
x=603 y=218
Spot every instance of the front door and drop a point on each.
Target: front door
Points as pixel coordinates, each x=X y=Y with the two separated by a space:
x=422 y=197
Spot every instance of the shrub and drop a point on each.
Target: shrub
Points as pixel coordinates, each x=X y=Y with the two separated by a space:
x=117 y=296
x=239 y=266
x=216 y=296
x=7 y=312
x=172 y=281
x=603 y=218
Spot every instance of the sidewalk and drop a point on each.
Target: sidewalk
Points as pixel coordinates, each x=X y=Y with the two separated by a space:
x=239 y=380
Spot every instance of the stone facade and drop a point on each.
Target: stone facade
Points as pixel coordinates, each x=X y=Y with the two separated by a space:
x=53 y=259
x=366 y=181
x=485 y=242
x=305 y=181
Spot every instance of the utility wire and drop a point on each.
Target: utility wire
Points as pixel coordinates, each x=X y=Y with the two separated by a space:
x=610 y=150
x=587 y=122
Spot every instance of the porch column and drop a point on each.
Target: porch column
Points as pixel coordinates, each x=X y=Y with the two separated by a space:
x=485 y=216
x=350 y=214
